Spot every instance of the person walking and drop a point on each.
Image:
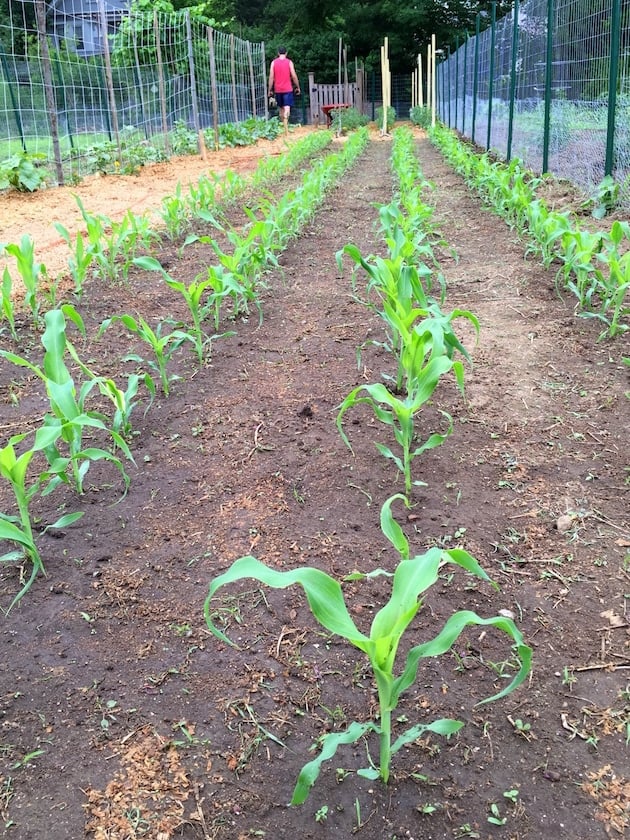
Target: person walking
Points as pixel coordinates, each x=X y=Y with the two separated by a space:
x=283 y=82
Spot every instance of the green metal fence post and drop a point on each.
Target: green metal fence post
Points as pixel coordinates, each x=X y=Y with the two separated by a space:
x=615 y=39
x=493 y=30
x=548 y=79
x=475 y=76
x=14 y=104
x=513 y=80
x=456 y=78
x=465 y=80
x=448 y=68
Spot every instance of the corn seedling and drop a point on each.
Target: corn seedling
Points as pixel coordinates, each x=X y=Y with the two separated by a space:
x=175 y=214
x=19 y=529
x=8 y=309
x=80 y=261
x=29 y=270
x=426 y=354
x=69 y=418
x=224 y=285
x=410 y=581
x=195 y=295
x=399 y=413
x=614 y=297
x=163 y=347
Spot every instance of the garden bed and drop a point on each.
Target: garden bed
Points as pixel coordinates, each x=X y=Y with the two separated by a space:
x=121 y=715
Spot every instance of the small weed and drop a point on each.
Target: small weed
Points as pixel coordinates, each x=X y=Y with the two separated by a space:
x=182 y=629
x=466 y=830
x=512 y=795
x=521 y=728
x=321 y=815
x=27 y=759
x=495 y=817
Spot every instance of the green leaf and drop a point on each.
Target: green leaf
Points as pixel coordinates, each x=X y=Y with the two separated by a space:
x=11 y=532
x=443 y=726
x=330 y=743
x=54 y=341
x=449 y=634
x=391 y=529
x=65 y=520
x=323 y=593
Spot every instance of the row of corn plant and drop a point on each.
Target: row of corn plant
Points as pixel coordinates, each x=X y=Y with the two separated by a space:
x=60 y=449
x=62 y=438
x=419 y=335
x=410 y=580
x=594 y=265
x=107 y=248
x=216 y=192
x=237 y=277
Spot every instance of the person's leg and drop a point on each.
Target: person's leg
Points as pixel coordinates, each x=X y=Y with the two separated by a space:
x=285 y=118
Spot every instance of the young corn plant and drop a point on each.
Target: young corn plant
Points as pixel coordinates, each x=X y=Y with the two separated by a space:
x=80 y=260
x=163 y=347
x=70 y=417
x=29 y=270
x=18 y=529
x=411 y=579
x=8 y=308
x=422 y=372
x=175 y=214
x=196 y=296
x=614 y=296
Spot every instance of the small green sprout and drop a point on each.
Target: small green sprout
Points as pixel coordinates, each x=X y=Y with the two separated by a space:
x=321 y=815
x=495 y=817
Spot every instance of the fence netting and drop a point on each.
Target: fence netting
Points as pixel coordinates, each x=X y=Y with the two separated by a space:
x=100 y=77
x=539 y=85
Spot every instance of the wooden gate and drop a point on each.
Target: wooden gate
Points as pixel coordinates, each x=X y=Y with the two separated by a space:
x=350 y=94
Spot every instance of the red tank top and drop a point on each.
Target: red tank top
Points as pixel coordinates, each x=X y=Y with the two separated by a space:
x=282 y=75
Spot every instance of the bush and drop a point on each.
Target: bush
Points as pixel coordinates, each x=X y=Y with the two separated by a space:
x=391 y=118
x=348 y=119
x=420 y=115
x=20 y=171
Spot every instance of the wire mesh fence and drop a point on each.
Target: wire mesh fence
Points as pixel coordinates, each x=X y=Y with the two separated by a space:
x=548 y=83
x=82 y=79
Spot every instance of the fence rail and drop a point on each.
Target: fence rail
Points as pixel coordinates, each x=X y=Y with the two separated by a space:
x=68 y=84
x=548 y=83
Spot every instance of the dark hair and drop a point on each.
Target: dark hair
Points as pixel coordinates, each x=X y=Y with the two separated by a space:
x=282 y=50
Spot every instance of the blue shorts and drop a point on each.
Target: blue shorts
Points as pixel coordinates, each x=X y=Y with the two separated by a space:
x=284 y=99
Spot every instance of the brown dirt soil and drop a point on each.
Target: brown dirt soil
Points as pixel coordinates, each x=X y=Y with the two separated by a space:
x=122 y=717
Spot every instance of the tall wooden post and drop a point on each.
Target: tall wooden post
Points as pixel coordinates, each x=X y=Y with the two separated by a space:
x=233 y=69
x=51 y=105
x=213 y=85
x=161 y=87
x=109 y=77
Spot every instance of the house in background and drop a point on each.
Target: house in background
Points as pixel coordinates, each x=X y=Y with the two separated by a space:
x=78 y=23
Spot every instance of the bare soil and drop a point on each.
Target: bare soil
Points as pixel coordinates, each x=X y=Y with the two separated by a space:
x=122 y=717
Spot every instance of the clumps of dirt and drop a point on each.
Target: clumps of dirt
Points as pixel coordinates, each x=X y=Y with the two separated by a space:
x=146 y=797
x=613 y=798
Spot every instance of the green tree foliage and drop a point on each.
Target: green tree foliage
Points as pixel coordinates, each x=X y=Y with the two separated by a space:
x=311 y=29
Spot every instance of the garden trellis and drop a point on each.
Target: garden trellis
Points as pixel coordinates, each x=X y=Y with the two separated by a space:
x=549 y=83
x=93 y=80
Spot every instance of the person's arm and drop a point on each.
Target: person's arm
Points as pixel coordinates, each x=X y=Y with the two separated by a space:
x=270 y=88
x=294 y=78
